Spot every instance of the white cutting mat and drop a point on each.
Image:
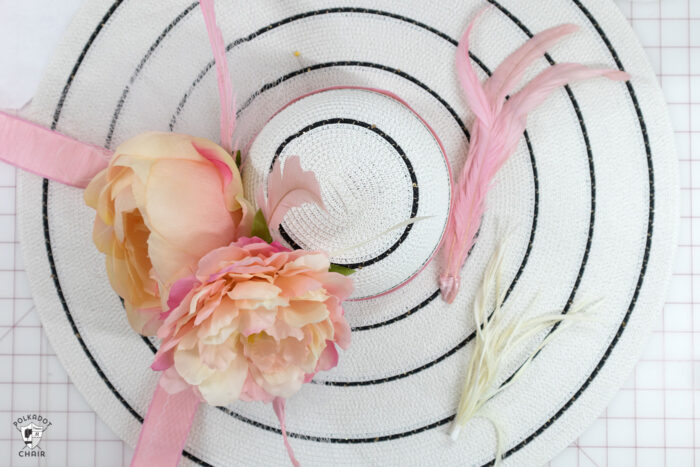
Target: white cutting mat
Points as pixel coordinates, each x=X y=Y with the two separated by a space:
x=653 y=420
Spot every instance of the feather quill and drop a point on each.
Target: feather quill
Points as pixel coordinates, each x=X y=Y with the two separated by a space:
x=227 y=99
x=497 y=128
x=287 y=189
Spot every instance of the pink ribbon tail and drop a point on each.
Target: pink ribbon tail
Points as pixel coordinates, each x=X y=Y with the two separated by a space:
x=278 y=406
x=48 y=153
x=165 y=428
x=226 y=96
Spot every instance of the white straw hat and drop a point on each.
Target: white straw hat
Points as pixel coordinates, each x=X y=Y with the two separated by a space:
x=590 y=195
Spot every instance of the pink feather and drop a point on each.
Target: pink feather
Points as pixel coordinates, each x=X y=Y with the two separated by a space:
x=48 y=153
x=498 y=126
x=226 y=97
x=509 y=73
x=471 y=85
x=286 y=190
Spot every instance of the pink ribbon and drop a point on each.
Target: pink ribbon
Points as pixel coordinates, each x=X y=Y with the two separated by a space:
x=48 y=153
x=278 y=406
x=165 y=428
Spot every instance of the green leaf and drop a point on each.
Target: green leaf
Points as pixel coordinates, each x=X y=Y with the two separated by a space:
x=238 y=158
x=341 y=269
x=260 y=228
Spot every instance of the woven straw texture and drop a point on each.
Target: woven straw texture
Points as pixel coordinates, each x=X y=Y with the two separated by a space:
x=590 y=195
x=372 y=155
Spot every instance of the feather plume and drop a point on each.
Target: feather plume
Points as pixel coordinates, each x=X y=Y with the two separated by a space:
x=227 y=100
x=496 y=338
x=287 y=189
x=497 y=128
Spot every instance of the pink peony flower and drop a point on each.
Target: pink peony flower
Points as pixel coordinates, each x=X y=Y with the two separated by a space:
x=164 y=201
x=255 y=322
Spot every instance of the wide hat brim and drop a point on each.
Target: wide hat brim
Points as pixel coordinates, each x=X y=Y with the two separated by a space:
x=590 y=199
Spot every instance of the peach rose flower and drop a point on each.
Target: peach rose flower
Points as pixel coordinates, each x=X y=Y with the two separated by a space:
x=164 y=201
x=255 y=322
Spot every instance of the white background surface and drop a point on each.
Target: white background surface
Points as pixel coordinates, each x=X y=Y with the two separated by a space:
x=653 y=420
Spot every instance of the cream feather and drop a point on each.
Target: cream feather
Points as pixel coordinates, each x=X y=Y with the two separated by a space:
x=497 y=338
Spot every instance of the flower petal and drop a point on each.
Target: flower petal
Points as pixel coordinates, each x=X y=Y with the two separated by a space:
x=190 y=366
x=253 y=392
x=308 y=262
x=297 y=286
x=254 y=290
x=299 y=313
x=185 y=211
x=255 y=321
x=329 y=358
x=224 y=387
